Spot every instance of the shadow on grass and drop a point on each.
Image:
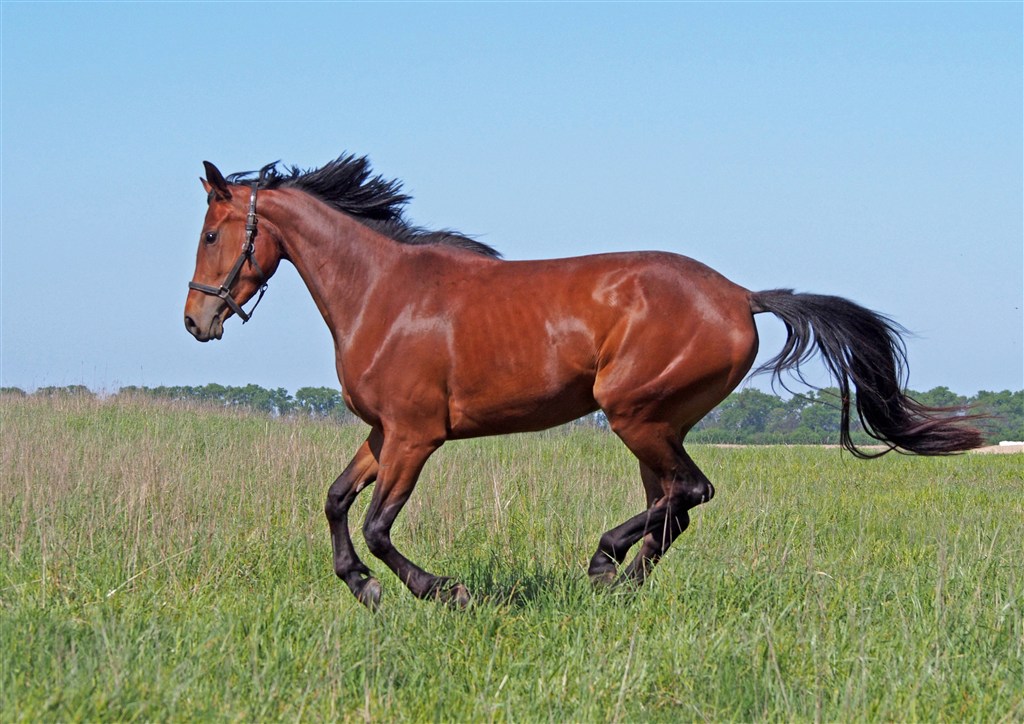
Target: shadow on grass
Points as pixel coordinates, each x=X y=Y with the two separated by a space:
x=496 y=583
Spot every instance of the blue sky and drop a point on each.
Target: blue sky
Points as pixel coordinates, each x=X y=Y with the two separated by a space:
x=870 y=150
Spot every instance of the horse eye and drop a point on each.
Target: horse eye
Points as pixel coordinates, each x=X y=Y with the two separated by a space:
x=210 y=237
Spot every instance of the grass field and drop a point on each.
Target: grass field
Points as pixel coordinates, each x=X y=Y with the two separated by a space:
x=169 y=563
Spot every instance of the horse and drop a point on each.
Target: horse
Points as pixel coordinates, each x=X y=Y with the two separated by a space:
x=438 y=338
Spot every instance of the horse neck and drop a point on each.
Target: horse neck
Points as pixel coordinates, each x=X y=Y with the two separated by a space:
x=337 y=257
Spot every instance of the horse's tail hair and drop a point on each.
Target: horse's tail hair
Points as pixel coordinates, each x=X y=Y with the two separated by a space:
x=866 y=349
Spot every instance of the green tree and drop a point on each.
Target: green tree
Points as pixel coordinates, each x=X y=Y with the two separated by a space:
x=747 y=411
x=67 y=391
x=211 y=393
x=785 y=416
x=938 y=397
x=274 y=402
x=1007 y=414
x=318 y=401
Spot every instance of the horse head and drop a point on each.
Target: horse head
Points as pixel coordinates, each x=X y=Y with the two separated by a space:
x=236 y=257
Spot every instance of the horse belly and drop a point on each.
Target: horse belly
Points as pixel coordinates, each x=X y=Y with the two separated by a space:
x=521 y=384
x=523 y=410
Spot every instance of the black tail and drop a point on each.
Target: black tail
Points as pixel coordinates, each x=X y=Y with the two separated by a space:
x=867 y=349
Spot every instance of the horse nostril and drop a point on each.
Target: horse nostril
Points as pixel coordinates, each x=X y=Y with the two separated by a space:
x=191 y=326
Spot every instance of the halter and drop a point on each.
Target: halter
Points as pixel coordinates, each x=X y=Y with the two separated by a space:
x=224 y=290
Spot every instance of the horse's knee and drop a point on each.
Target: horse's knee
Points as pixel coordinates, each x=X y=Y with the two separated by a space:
x=334 y=507
x=377 y=537
x=341 y=495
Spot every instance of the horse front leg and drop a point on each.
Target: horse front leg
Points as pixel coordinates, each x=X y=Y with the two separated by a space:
x=400 y=464
x=359 y=473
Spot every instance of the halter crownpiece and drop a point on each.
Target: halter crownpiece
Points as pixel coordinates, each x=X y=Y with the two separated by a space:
x=248 y=247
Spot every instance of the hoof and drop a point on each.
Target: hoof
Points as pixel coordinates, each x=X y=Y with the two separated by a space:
x=369 y=594
x=604 y=579
x=458 y=596
x=452 y=593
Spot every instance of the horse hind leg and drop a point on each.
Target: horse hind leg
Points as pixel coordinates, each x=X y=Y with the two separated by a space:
x=687 y=490
x=615 y=544
x=673 y=484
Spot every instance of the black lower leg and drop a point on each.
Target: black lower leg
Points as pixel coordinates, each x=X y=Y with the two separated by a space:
x=347 y=565
x=688 y=490
x=654 y=546
x=377 y=532
x=615 y=544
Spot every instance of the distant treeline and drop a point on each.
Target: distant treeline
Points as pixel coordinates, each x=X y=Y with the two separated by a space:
x=316 y=402
x=748 y=417
x=754 y=417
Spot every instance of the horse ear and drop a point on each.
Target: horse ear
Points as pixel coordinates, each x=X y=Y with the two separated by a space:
x=215 y=185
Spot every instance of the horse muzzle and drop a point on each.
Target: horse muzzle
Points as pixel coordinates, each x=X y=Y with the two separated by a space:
x=206 y=330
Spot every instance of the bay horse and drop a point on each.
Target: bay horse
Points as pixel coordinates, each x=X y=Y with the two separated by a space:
x=437 y=338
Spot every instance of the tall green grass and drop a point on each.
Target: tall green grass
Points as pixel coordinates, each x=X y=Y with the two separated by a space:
x=173 y=563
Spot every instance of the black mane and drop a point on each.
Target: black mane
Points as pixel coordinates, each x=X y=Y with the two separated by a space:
x=347 y=185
